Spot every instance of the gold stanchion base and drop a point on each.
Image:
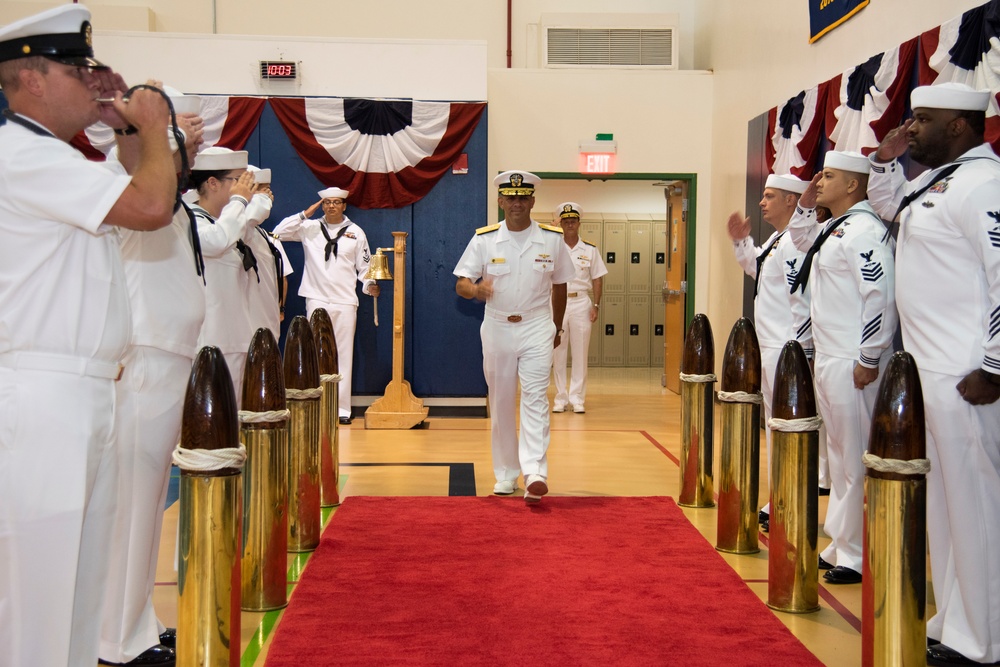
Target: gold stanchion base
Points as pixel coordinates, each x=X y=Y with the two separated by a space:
x=697 y=506
x=397 y=409
x=787 y=610
x=738 y=552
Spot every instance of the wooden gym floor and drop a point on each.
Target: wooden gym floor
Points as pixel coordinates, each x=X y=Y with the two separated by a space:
x=626 y=444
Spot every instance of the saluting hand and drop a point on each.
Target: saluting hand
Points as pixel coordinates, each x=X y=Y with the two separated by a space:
x=309 y=212
x=808 y=198
x=738 y=226
x=895 y=143
x=244 y=186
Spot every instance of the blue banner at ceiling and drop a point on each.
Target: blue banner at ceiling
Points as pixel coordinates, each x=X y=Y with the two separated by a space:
x=825 y=15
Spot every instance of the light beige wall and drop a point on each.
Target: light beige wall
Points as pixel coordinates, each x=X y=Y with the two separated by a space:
x=760 y=54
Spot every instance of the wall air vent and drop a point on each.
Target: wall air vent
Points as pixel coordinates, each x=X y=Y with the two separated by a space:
x=610 y=47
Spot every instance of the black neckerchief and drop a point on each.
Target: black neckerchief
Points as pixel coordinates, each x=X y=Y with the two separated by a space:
x=760 y=262
x=331 y=243
x=249 y=261
x=803 y=277
x=279 y=264
x=199 y=259
x=29 y=125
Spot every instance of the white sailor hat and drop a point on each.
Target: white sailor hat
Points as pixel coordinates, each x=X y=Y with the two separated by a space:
x=62 y=34
x=334 y=193
x=260 y=175
x=217 y=158
x=786 y=182
x=183 y=103
x=950 y=95
x=847 y=161
x=568 y=209
x=516 y=182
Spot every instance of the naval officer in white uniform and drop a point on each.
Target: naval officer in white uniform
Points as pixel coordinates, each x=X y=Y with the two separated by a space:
x=853 y=309
x=266 y=297
x=581 y=312
x=336 y=256
x=64 y=326
x=520 y=269
x=948 y=295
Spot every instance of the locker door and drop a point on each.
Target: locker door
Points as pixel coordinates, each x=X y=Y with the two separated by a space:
x=614 y=330
x=640 y=260
x=659 y=257
x=637 y=342
x=658 y=341
x=615 y=251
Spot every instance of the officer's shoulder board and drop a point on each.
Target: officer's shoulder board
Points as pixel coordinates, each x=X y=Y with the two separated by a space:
x=592 y=245
x=487 y=229
x=550 y=228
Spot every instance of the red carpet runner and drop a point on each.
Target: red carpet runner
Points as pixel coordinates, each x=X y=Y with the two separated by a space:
x=489 y=581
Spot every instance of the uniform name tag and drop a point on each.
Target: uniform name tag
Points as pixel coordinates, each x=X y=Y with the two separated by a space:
x=498 y=260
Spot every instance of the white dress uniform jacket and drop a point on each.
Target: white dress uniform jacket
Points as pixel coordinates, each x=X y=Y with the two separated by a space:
x=948 y=295
x=852 y=291
x=517 y=334
x=576 y=324
x=64 y=327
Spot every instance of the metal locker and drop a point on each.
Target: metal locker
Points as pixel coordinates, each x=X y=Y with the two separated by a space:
x=659 y=258
x=659 y=340
x=596 y=334
x=615 y=253
x=613 y=331
x=640 y=250
x=637 y=322
x=591 y=229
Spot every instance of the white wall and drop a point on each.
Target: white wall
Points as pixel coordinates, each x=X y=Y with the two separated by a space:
x=760 y=54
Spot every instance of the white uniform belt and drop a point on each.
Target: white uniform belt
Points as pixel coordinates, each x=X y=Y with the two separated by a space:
x=573 y=295
x=61 y=363
x=522 y=316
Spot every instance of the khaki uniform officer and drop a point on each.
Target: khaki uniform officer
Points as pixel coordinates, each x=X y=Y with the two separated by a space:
x=520 y=269
x=581 y=312
x=336 y=257
x=948 y=294
x=64 y=326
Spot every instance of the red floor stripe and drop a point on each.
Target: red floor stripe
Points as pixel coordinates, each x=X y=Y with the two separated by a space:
x=663 y=449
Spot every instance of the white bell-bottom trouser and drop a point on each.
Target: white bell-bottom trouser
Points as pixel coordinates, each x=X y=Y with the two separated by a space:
x=576 y=335
x=512 y=353
x=150 y=403
x=345 y=321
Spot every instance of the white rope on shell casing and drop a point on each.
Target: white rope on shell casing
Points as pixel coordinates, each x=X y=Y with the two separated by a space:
x=687 y=377
x=303 y=394
x=206 y=460
x=332 y=377
x=899 y=466
x=795 y=425
x=740 y=397
x=249 y=417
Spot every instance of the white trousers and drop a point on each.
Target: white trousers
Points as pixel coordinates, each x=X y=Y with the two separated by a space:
x=769 y=364
x=576 y=326
x=345 y=321
x=150 y=402
x=847 y=414
x=513 y=353
x=58 y=480
x=963 y=518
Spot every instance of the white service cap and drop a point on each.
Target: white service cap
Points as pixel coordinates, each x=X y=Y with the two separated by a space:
x=847 y=161
x=259 y=175
x=62 y=34
x=786 y=182
x=950 y=95
x=334 y=193
x=217 y=158
x=183 y=103
x=568 y=209
x=516 y=182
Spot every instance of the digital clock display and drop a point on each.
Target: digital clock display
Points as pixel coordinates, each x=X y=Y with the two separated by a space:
x=272 y=69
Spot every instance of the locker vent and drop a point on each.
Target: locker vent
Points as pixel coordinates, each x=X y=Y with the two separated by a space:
x=610 y=47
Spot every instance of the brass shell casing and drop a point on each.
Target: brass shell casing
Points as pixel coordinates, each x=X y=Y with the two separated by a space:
x=265 y=519
x=697 y=417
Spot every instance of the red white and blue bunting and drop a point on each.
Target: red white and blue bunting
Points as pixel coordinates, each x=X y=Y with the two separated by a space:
x=794 y=129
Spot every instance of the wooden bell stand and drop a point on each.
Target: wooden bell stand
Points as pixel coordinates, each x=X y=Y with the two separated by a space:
x=398 y=408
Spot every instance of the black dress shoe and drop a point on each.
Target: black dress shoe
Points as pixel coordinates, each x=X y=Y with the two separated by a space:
x=939 y=654
x=346 y=421
x=824 y=492
x=169 y=637
x=157 y=655
x=823 y=565
x=762 y=516
x=842 y=575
